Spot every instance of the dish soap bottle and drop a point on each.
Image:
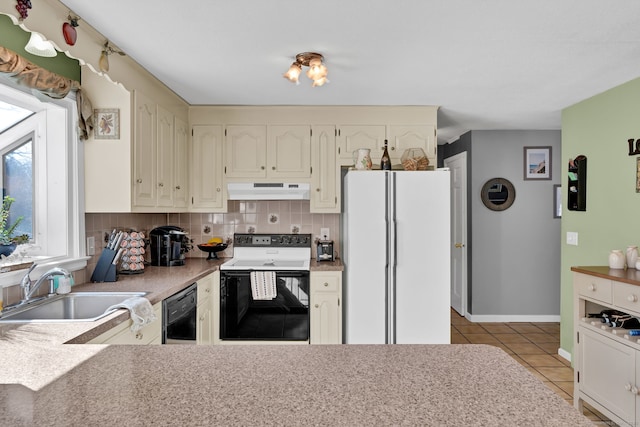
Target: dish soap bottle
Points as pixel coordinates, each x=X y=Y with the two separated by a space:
x=385 y=161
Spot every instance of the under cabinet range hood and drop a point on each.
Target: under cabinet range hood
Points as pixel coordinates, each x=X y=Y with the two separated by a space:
x=267 y=191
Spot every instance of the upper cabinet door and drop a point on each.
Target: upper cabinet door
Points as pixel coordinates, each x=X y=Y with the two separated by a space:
x=289 y=151
x=325 y=188
x=402 y=137
x=246 y=149
x=352 y=137
x=181 y=164
x=144 y=152
x=165 y=153
x=207 y=191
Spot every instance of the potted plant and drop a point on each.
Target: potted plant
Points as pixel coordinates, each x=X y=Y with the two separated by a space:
x=9 y=241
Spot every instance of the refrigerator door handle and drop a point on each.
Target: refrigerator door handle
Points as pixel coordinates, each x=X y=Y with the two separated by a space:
x=391 y=260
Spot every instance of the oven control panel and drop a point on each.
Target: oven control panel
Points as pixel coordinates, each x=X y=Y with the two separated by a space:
x=272 y=240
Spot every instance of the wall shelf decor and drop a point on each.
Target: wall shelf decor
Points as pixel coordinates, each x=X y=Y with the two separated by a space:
x=577 y=184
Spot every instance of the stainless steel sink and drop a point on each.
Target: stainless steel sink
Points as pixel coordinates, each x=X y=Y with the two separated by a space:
x=73 y=307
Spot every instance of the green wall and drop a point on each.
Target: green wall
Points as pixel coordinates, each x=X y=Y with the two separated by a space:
x=15 y=38
x=599 y=128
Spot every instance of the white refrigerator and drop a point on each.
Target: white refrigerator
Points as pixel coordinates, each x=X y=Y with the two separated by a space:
x=396 y=251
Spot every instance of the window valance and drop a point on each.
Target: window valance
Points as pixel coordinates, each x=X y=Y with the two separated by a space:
x=28 y=74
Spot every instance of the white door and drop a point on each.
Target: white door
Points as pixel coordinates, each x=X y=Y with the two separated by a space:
x=458 y=166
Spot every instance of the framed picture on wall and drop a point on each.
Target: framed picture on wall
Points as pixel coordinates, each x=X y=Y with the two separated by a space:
x=537 y=162
x=106 y=123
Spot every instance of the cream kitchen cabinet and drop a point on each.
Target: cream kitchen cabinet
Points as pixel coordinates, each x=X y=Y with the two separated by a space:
x=326 y=308
x=204 y=310
x=208 y=192
x=181 y=164
x=607 y=360
x=402 y=137
x=122 y=334
x=398 y=137
x=158 y=174
x=274 y=151
x=325 y=173
x=352 y=137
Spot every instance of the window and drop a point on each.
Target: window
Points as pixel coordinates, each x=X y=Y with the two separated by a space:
x=42 y=169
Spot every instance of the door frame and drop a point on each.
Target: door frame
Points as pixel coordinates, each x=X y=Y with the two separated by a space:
x=459 y=216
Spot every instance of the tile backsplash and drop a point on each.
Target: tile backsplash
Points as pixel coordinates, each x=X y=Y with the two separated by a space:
x=282 y=216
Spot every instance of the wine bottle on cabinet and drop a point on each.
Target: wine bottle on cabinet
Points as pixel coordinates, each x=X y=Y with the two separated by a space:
x=385 y=161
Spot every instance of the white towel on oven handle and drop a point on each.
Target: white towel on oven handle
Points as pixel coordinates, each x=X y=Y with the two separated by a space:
x=263 y=285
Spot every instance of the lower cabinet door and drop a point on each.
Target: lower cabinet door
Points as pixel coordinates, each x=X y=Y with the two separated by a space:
x=607 y=373
x=204 y=331
x=325 y=308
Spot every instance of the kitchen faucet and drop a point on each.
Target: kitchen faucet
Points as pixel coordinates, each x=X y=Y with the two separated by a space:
x=28 y=290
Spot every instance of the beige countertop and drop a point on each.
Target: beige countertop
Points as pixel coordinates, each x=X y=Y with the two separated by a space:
x=46 y=383
x=340 y=385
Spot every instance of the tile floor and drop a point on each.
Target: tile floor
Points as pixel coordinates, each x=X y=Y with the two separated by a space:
x=534 y=345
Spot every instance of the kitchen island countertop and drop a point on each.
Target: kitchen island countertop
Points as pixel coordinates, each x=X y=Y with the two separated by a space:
x=338 y=385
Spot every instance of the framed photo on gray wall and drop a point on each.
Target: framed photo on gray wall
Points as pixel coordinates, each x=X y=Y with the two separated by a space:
x=537 y=163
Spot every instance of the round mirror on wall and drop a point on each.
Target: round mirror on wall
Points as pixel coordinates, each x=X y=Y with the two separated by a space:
x=498 y=194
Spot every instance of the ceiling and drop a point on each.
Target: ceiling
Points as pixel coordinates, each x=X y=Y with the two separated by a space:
x=490 y=64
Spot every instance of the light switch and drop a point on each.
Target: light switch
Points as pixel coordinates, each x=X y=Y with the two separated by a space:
x=91 y=245
x=572 y=238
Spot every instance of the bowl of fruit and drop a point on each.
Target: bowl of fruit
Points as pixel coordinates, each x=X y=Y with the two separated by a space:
x=214 y=245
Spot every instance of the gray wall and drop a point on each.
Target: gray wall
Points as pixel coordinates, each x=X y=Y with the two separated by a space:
x=516 y=253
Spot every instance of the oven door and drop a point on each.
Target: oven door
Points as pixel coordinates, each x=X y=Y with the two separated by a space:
x=283 y=318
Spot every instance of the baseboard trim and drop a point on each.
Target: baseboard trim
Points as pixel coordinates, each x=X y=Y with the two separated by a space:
x=505 y=318
x=564 y=354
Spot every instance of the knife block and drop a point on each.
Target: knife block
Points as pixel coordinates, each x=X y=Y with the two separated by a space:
x=105 y=270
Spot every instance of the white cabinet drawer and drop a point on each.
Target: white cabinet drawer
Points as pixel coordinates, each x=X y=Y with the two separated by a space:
x=626 y=296
x=593 y=287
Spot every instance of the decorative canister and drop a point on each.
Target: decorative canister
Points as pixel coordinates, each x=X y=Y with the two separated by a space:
x=616 y=259
x=362 y=159
x=632 y=256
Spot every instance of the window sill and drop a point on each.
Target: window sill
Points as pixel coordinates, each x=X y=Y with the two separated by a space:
x=12 y=278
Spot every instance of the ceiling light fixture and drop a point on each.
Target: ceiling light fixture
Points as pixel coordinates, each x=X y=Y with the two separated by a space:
x=107 y=50
x=38 y=45
x=317 y=70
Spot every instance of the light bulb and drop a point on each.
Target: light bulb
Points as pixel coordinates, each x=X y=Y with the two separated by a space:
x=294 y=73
x=103 y=63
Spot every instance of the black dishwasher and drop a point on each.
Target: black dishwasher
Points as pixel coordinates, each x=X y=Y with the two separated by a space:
x=179 y=317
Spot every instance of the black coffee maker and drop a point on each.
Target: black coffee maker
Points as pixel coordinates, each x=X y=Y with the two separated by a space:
x=169 y=245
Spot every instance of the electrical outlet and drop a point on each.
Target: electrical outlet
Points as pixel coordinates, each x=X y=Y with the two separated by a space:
x=572 y=238
x=91 y=245
x=324 y=234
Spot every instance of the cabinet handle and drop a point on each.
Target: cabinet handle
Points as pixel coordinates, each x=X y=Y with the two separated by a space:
x=634 y=390
x=273 y=168
x=138 y=335
x=139 y=181
x=207 y=290
x=262 y=167
x=627 y=387
x=202 y=318
x=632 y=298
x=160 y=184
x=177 y=187
x=393 y=148
x=218 y=189
x=317 y=306
x=326 y=284
x=592 y=287
x=318 y=190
